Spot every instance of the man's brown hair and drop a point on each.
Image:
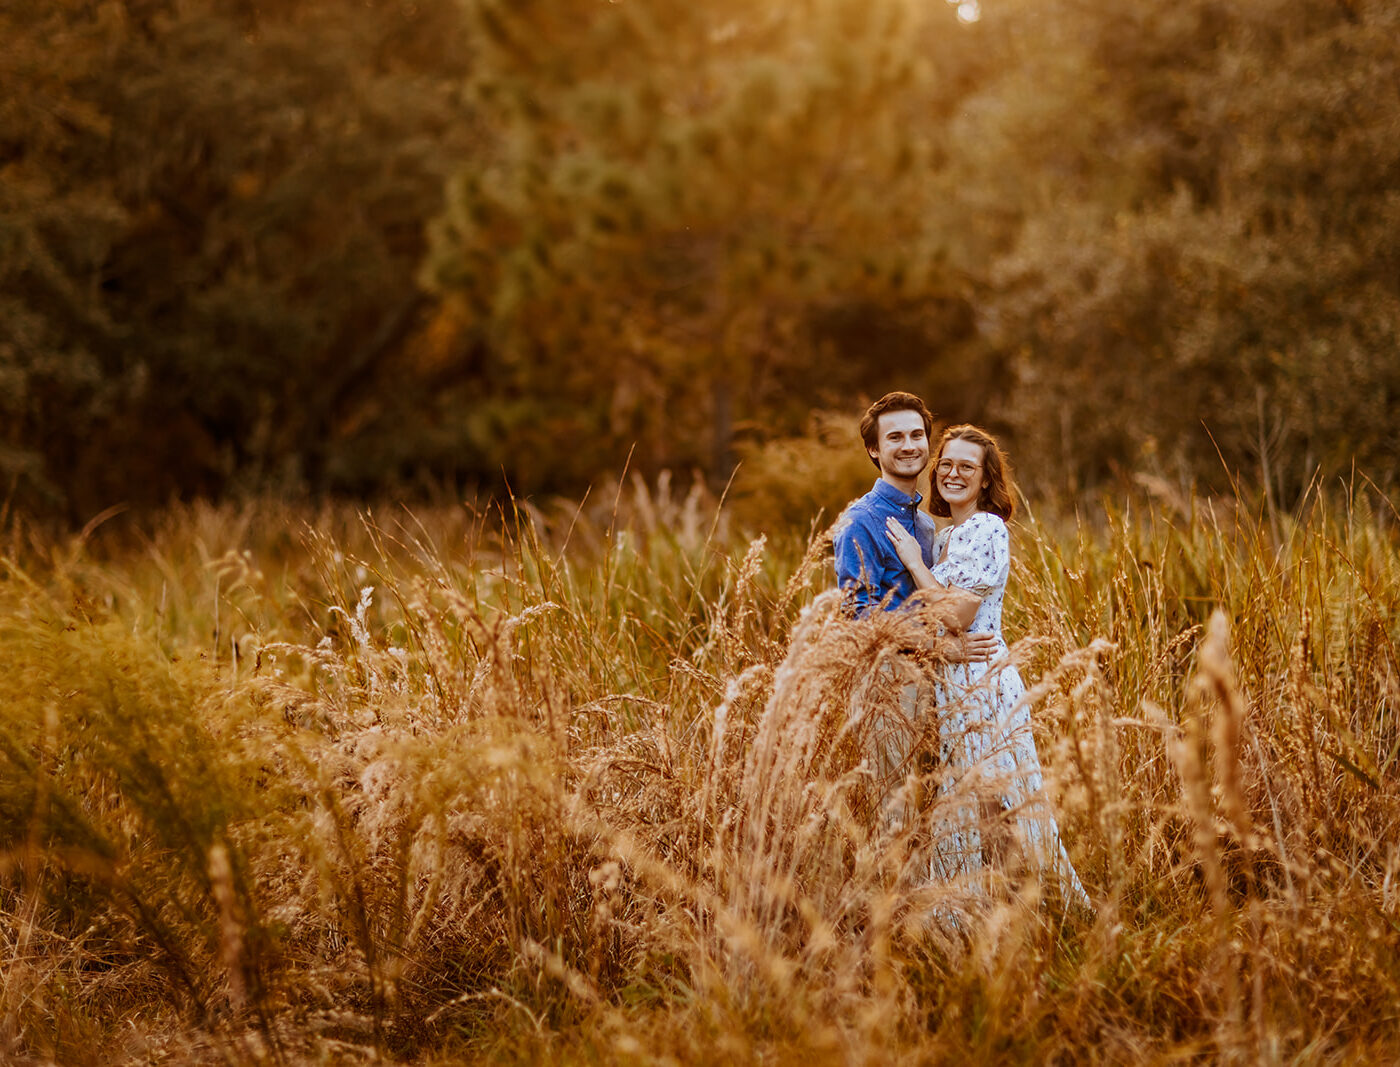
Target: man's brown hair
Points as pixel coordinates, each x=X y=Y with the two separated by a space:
x=896 y=401
x=998 y=493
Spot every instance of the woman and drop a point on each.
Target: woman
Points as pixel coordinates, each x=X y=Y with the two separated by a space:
x=984 y=723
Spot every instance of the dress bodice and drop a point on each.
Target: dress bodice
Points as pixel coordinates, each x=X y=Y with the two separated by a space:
x=978 y=559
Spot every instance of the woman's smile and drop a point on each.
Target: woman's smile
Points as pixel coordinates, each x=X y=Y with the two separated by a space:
x=959 y=473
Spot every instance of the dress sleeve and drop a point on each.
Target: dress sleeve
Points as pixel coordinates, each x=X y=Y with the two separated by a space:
x=979 y=555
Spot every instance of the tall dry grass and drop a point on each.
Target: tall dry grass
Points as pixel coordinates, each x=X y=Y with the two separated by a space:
x=582 y=783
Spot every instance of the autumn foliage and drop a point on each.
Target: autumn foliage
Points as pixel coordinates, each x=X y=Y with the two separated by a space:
x=354 y=246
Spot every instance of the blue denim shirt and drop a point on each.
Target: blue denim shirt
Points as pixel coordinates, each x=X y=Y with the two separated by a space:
x=866 y=565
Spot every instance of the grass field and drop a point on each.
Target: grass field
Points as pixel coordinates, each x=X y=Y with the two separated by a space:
x=282 y=785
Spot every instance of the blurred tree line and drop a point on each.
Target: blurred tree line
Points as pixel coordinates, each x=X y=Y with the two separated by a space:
x=211 y=213
x=350 y=244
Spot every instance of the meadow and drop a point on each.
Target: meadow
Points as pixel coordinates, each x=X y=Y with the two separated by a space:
x=577 y=783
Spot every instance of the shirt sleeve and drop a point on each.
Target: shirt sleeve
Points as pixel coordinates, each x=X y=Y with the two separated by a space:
x=979 y=555
x=857 y=566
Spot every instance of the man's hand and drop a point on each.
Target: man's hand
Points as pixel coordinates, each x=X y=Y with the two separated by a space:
x=969 y=648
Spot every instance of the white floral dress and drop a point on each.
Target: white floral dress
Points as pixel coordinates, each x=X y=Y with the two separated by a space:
x=985 y=725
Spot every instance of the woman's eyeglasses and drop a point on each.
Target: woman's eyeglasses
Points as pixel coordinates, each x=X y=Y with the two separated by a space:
x=966 y=469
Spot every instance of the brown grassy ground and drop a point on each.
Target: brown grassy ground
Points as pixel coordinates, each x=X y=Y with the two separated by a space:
x=582 y=786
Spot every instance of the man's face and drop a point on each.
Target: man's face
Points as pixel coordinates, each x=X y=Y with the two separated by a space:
x=902 y=444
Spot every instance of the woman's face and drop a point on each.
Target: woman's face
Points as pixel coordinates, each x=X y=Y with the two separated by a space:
x=959 y=473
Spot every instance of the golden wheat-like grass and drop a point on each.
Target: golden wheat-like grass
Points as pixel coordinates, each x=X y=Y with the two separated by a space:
x=597 y=783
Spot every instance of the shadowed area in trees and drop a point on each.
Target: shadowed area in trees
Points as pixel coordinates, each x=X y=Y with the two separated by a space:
x=377 y=246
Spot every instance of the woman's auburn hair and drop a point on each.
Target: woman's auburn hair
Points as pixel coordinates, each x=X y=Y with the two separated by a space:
x=998 y=493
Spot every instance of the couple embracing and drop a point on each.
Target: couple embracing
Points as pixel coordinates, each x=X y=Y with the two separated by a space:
x=967 y=712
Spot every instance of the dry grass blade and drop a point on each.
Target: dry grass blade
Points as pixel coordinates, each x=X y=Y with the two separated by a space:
x=617 y=782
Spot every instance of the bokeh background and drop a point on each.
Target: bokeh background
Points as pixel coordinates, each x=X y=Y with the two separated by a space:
x=366 y=247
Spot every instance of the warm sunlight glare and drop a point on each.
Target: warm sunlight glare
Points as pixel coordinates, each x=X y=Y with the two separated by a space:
x=968 y=10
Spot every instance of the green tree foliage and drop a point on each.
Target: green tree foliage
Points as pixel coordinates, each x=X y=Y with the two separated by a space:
x=210 y=217
x=1127 y=235
x=1205 y=253
x=698 y=217
x=1148 y=234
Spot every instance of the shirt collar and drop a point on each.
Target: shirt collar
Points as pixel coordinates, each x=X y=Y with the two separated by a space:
x=894 y=496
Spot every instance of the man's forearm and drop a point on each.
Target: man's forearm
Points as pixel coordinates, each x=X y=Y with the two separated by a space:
x=953 y=607
x=963 y=647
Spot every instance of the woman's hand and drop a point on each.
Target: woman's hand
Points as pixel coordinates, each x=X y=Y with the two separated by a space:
x=905 y=545
x=955 y=608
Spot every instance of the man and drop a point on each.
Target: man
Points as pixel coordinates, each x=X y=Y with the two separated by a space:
x=895 y=431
